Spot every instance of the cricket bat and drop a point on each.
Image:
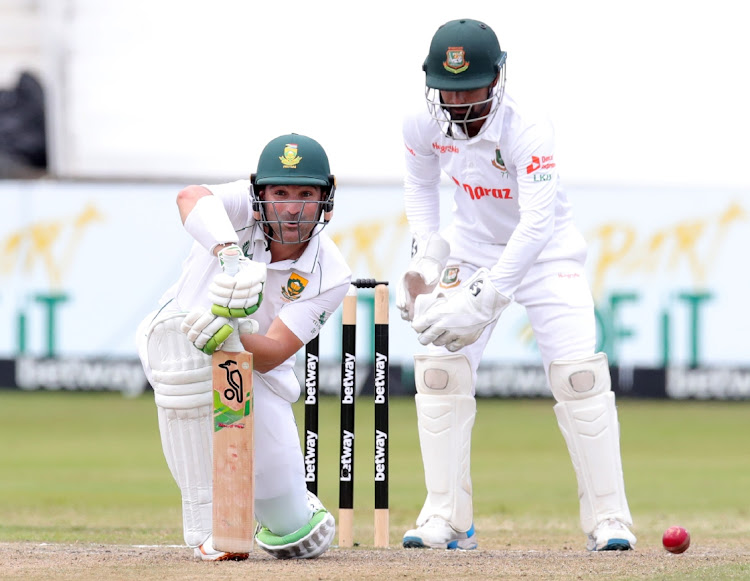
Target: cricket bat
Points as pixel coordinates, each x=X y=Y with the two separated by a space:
x=233 y=485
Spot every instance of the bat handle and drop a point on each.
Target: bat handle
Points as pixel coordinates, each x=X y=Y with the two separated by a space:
x=230 y=264
x=230 y=261
x=233 y=343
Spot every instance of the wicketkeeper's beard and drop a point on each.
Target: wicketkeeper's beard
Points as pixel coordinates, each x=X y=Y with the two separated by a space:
x=470 y=113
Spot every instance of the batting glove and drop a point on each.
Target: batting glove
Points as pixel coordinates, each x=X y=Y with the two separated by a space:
x=208 y=332
x=239 y=295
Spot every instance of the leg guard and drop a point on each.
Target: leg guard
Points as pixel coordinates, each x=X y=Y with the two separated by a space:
x=181 y=378
x=445 y=413
x=587 y=417
x=310 y=541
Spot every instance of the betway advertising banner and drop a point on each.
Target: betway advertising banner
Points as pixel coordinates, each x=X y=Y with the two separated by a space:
x=81 y=263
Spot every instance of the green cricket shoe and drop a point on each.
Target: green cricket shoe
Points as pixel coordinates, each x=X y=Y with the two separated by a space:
x=310 y=541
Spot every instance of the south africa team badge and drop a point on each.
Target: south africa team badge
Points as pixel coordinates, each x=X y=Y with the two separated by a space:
x=294 y=287
x=290 y=158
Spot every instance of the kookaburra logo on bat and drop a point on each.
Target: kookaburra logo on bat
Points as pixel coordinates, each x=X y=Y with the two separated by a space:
x=234 y=379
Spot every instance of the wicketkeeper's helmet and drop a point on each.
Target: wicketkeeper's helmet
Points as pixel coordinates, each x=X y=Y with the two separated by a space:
x=464 y=55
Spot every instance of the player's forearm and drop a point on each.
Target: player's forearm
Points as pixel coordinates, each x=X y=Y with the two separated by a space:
x=269 y=352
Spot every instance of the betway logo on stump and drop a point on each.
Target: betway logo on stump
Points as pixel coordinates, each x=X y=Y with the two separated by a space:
x=347 y=443
x=381 y=439
x=347 y=392
x=381 y=368
x=311 y=447
x=311 y=379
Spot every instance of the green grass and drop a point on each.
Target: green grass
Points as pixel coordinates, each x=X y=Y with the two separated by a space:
x=88 y=467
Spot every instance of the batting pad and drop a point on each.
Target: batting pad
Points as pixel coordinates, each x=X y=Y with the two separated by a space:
x=181 y=378
x=592 y=434
x=187 y=443
x=180 y=374
x=445 y=424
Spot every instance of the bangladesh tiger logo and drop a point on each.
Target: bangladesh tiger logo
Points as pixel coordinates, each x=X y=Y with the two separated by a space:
x=498 y=161
x=449 y=279
x=455 y=61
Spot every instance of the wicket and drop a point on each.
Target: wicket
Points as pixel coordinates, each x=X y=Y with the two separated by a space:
x=347 y=399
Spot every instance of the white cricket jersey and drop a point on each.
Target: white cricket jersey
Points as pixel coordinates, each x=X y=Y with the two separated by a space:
x=303 y=292
x=509 y=207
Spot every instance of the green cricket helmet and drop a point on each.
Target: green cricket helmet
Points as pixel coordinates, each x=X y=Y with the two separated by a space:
x=464 y=55
x=296 y=160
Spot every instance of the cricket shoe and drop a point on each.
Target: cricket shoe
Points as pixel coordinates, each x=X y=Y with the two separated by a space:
x=206 y=552
x=611 y=535
x=436 y=533
x=309 y=542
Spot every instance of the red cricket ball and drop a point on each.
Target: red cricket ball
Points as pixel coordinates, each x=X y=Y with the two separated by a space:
x=676 y=539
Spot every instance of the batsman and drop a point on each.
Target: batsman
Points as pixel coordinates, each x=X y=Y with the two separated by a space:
x=511 y=239
x=291 y=277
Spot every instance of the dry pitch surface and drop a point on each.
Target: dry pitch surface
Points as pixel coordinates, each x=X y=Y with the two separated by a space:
x=33 y=561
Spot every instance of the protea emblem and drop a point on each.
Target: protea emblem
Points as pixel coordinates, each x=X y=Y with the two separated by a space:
x=290 y=157
x=294 y=287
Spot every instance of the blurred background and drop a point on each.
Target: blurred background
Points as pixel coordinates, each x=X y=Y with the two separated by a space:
x=108 y=108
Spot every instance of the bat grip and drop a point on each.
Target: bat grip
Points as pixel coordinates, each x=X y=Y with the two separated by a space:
x=233 y=343
x=230 y=264
x=230 y=261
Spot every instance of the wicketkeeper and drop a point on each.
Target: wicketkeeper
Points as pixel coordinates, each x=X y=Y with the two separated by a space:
x=511 y=238
x=291 y=279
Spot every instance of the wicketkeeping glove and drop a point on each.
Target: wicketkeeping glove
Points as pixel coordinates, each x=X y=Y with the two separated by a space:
x=208 y=331
x=429 y=255
x=458 y=319
x=239 y=295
